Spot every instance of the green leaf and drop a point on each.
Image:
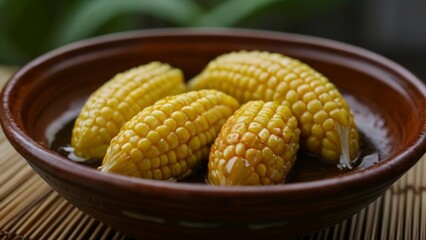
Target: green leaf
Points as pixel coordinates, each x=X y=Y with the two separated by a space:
x=2 y=2
x=10 y=53
x=90 y=16
x=12 y=12
x=231 y=12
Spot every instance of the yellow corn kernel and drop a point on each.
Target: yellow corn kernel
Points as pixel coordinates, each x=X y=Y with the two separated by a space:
x=243 y=157
x=314 y=101
x=118 y=100
x=175 y=154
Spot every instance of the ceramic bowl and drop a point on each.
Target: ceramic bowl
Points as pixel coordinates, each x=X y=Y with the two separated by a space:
x=389 y=104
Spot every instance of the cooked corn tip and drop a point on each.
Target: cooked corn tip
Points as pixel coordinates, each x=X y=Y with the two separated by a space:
x=170 y=138
x=327 y=125
x=118 y=100
x=252 y=147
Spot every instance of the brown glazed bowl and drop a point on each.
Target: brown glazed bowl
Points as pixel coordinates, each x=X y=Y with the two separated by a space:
x=388 y=101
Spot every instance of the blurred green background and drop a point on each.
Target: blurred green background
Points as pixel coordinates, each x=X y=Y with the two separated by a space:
x=394 y=28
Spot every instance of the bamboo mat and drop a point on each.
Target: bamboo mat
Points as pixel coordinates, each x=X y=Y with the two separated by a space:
x=30 y=209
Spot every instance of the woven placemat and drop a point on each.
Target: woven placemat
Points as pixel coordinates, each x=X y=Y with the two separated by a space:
x=30 y=209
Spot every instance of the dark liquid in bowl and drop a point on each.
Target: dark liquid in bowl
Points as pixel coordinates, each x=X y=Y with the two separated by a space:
x=373 y=137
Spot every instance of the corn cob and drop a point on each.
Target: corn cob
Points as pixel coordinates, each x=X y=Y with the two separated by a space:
x=118 y=100
x=326 y=122
x=256 y=146
x=168 y=139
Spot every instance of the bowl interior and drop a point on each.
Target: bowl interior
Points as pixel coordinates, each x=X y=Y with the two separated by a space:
x=385 y=104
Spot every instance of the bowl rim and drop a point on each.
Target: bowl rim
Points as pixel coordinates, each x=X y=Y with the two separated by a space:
x=383 y=172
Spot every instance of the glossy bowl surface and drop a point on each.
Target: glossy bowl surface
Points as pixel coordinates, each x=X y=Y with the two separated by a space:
x=50 y=90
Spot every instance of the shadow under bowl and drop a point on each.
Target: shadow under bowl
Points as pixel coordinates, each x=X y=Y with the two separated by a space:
x=388 y=102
